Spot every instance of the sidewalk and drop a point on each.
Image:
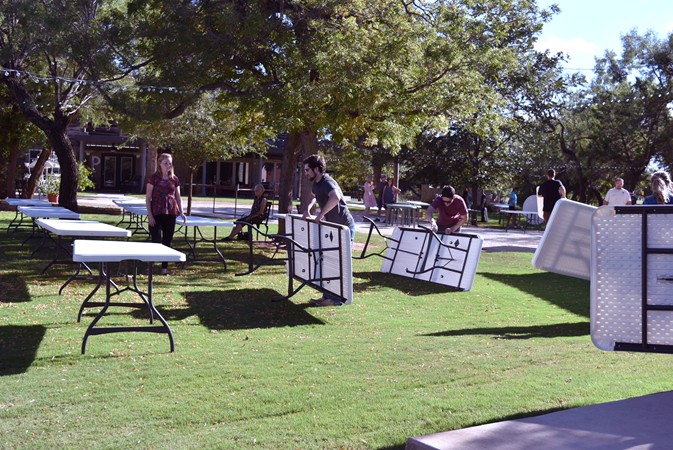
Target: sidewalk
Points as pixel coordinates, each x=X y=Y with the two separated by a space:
x=495 y=239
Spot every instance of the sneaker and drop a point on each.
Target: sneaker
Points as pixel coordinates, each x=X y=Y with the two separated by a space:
x=226 y=239
x=377 y=220
x=325 y=302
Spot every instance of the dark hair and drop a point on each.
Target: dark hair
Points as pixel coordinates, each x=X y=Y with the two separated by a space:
x=314 y=161
x=551 y=173
x=448 y=191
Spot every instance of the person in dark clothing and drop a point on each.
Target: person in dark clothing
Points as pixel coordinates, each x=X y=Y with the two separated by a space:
x=333 y=208
x=256 y=215
x=551 y=191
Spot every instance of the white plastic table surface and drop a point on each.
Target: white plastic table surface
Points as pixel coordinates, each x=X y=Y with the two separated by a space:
x=116 y=251
x=128 y=202
x=17 y=221
x=104 y=252
x=198 y=221
x=47 y=212
x=82 y=228
x=76 y=228
x=26 y=202
x=135 y=208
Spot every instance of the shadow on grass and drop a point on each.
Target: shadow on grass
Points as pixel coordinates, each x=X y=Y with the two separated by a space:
x=409 y=286
x=571 y=294
x=14 y=289
x=540 y=331
x=241 y=309
x=18 y=347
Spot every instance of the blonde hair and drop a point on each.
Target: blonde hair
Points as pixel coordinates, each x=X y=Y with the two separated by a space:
x=163 y=157
x=661 y=186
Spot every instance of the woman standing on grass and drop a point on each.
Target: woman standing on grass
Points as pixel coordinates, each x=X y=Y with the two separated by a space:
x=369 y=199
x=163 y=203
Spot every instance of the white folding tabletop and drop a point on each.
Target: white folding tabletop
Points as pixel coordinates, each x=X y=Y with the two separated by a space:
x=76 y=229
x=106 y=252
x=137 y=215
x=16 y=202
x=196 y=223
x=44 y=212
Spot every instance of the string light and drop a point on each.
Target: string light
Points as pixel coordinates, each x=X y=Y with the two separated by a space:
x=115 y=87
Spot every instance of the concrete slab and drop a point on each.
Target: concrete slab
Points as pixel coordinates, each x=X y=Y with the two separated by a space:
x=635 y=423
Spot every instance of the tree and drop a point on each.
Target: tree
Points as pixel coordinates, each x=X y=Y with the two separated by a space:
x=206 y=131
x=620 y=123
x=50 y=52
x=16 y=134
x=380 y=72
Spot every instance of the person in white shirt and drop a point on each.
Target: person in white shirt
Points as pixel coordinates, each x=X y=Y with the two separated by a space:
x=617 y=196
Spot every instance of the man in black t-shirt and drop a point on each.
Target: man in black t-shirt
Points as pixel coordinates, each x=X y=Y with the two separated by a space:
x=551 y=191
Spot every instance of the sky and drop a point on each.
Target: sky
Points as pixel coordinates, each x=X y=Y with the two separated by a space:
x=584 y=29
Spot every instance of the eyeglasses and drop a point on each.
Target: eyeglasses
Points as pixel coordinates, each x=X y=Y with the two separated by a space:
x=447 y=202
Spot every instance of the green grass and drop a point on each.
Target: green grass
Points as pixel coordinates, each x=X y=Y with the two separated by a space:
x=406 y=358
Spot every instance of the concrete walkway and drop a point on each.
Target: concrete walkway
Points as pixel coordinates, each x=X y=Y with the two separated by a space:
x=635 y=423
x=495 y=239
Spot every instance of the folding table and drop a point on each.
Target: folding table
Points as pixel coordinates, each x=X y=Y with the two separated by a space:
x=16 y=202
x=106 y=252
x=44 y=212
x=76 y=229
x=196 y=223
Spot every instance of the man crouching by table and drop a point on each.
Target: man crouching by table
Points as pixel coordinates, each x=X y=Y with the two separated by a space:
x=452 y=212
x=333 y=208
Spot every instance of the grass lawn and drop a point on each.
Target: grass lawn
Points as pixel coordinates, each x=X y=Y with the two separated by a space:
x=406 y=358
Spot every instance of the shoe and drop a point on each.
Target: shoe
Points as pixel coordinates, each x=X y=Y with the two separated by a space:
x=226 y=239
x=164 y=271
x=325 y=302
x=377 y=220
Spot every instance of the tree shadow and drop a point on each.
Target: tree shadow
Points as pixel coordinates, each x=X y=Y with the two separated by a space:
x=409 y=286
x=241 y=309
x=573 y=329
x=18 y=347
x=14 y=289
x=571 y=294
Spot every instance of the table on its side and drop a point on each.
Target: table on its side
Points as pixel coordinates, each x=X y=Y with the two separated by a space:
x=106 y=252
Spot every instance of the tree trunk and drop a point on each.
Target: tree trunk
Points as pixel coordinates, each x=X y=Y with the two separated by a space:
x=67 y=195
x=309 y=146
x=296 y=144
x=10 y=170
x=36 y=172
x=56 y=131
x=190 y=189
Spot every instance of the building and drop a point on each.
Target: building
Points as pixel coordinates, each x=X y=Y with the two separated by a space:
x=120 y=165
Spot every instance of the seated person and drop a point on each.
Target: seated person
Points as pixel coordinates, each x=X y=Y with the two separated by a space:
x=452 y=212
x=256 y=215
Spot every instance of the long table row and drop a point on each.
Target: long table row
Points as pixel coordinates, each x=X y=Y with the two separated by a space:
x=82 y=242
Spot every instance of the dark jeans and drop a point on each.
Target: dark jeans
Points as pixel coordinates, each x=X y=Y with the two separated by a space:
x=163 y=230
